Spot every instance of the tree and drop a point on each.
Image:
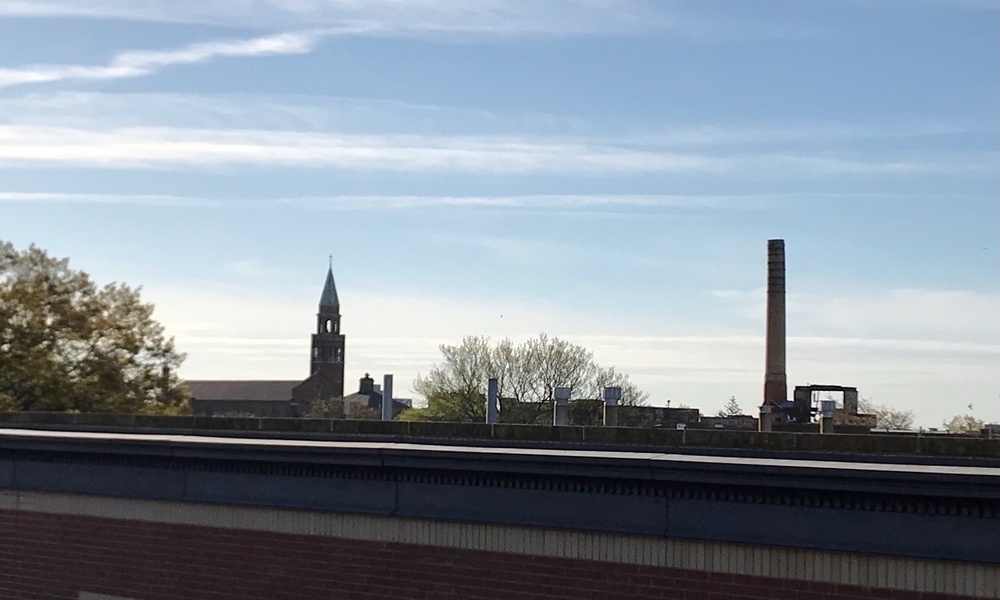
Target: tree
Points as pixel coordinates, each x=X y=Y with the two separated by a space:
x=340 y=408
x=731 y=409
x=964 y=424
x=448 y=406
x=330 y=408
x=886 y=417
x=527 y=375
x=68 y=345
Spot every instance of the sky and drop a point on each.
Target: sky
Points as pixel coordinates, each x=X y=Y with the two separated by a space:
x=604 y=171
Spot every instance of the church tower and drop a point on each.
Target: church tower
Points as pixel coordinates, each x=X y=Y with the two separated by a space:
x=327 y=358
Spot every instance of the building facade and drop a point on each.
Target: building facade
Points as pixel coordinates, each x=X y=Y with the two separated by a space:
x=326 y=357
x=287 y=398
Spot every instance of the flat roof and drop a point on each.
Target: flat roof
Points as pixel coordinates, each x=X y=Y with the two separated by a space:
x=663 y=458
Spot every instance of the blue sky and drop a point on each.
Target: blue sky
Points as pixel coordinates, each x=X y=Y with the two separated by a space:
x=607 y=171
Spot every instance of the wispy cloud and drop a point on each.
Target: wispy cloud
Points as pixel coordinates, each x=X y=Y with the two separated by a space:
x=170 y=130
x=130 y=199
x=952 y=313
x=547 y=202
x=509 y=251
x=597 y=205
x=204 y=148
x=138 y=63
x=920 y=4
x=944 y=315
x=381 y=17
x=172 y=147
x=253 y=269
x=375 y=116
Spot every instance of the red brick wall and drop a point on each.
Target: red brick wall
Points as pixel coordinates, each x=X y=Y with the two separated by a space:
x=49 y=557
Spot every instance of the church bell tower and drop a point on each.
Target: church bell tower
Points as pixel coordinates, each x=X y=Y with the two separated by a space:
x=327 y=358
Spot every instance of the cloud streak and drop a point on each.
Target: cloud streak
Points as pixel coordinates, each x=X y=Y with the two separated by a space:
x=367 y=115
x=539 y=202
x=379 y=17
x=935 y=314
x=165 y=147
x=137 y=63
x=123 y=199
x=553 y=202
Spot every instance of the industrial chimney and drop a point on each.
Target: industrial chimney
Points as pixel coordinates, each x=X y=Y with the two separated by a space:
x=775 y=381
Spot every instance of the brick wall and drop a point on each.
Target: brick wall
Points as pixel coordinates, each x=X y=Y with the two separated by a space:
x=58 y=556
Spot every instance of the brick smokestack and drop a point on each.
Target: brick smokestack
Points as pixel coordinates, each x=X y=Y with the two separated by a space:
x=775 y=380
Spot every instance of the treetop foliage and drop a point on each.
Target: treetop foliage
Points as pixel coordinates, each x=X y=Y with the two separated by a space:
x=337 y=408
x=964 y=424
x=68 y=345
x=526 y=373
x=731 y=409
x=886 y=417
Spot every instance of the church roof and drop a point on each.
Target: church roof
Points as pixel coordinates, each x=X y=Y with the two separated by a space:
x=374 y=401
x=329 y=296
x=241 y=389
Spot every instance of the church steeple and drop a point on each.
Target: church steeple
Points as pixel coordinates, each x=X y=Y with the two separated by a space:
x=329 y=295
x=327 y=356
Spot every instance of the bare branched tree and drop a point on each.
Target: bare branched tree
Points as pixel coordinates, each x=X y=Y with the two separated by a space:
x=886 y=417
x=527 y=375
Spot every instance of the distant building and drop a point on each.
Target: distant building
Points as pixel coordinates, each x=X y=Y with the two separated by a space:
x=658 y=416
x=287 y=398
x=326 y=362
x=730 y=422
x=242 y=398
x=369 y=396
x=801 y=409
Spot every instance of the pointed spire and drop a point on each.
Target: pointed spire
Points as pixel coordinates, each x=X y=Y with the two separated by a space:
x=329 y=296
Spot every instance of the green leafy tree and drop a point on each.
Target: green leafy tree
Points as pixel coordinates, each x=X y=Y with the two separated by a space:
x=964 y=424
x=330 y=408
x=337 y=408
x=448 y=406
x=362 y=412
x=527 y=375
x=68 y=345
